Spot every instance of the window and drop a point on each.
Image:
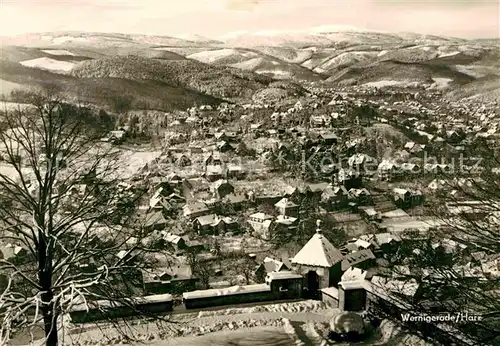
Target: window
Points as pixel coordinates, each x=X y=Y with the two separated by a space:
x=284 y=286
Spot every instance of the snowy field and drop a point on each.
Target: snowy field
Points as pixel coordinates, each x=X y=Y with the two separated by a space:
x=383 y=83
x=49 y=64
x=6 y=87
x=57 y=52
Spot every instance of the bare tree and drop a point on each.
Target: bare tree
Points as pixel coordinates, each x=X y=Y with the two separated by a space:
x=63 y=203
x=200 y=268
x=246 y=266
x=456 y=265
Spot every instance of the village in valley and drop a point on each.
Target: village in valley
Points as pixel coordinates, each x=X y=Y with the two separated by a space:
x=312 y=198
x=333 y=186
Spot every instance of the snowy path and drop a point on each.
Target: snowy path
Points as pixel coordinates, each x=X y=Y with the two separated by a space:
x=322 y=316
x=279 y=324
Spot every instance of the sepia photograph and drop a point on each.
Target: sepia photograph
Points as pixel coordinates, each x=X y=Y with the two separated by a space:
x=249 y=172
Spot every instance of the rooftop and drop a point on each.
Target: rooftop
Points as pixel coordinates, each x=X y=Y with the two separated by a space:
x=318 y=252
x=226 y=291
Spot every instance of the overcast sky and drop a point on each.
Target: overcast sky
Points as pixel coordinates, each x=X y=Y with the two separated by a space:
x=214 y=18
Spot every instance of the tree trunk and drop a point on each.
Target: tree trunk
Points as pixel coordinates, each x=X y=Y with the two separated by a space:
x=45 y=279
x=50 y=324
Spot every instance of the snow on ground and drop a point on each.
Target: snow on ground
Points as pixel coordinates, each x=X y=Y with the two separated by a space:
x=284 y=324
x=260 y=336
x=211 y=56
x=382 y=53
x=440 y=83
x=12 y=106
x=133 y=161
x=347 y=58
x=275 y=73
x=6 y=87
x=391 y=331
x=383 y=83
x=9 y=171
x=57 y=52
x=49 y=64
x=65 y=39
x=249 y=64
x=473 y=70
x=444 y=55
x=308 y=64
x=305 y=306
x=219 y=324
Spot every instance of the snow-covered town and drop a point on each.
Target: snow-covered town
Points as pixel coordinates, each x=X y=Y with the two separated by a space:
x=322 y=188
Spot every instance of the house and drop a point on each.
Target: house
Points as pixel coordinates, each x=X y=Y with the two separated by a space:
x=409 y=145
x=387 y=170
x=287 y=208
x=235 y=200
x=175 y=241
x=317 y=189
x=359 y=196
x=11 y=252
x=328 y=138
x=336 y=99
x=193 y=210
x=409 y=168
x=438 y=184
x=418 y=148
x=225 y=146
x=380 y=242
x=435 y=168
x=285 y=224
x=204 y=224
x=255 y=127
x=182 y=160
x=221 y=188
x=175 y=280
x=349 y=248
x=213 y=159
x=155 y=221
x=450 y=246
x=319 y=262
x=224 y=224
x=406 y=198
x=369 y=213
x=214 y=224
x=115 y=137
x=453 y=136
x=349 y=178
x=214 y=172
x=261 y=224
x=269 y=265
x=158 y=197
x=319 y=121
x=363 y=163
x=173 y=178
x=363 y=259
x=161 y=203
x=334 y=196
x=235 y=171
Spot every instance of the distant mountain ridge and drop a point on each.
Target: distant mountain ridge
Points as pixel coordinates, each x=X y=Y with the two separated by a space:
x=242 y=65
